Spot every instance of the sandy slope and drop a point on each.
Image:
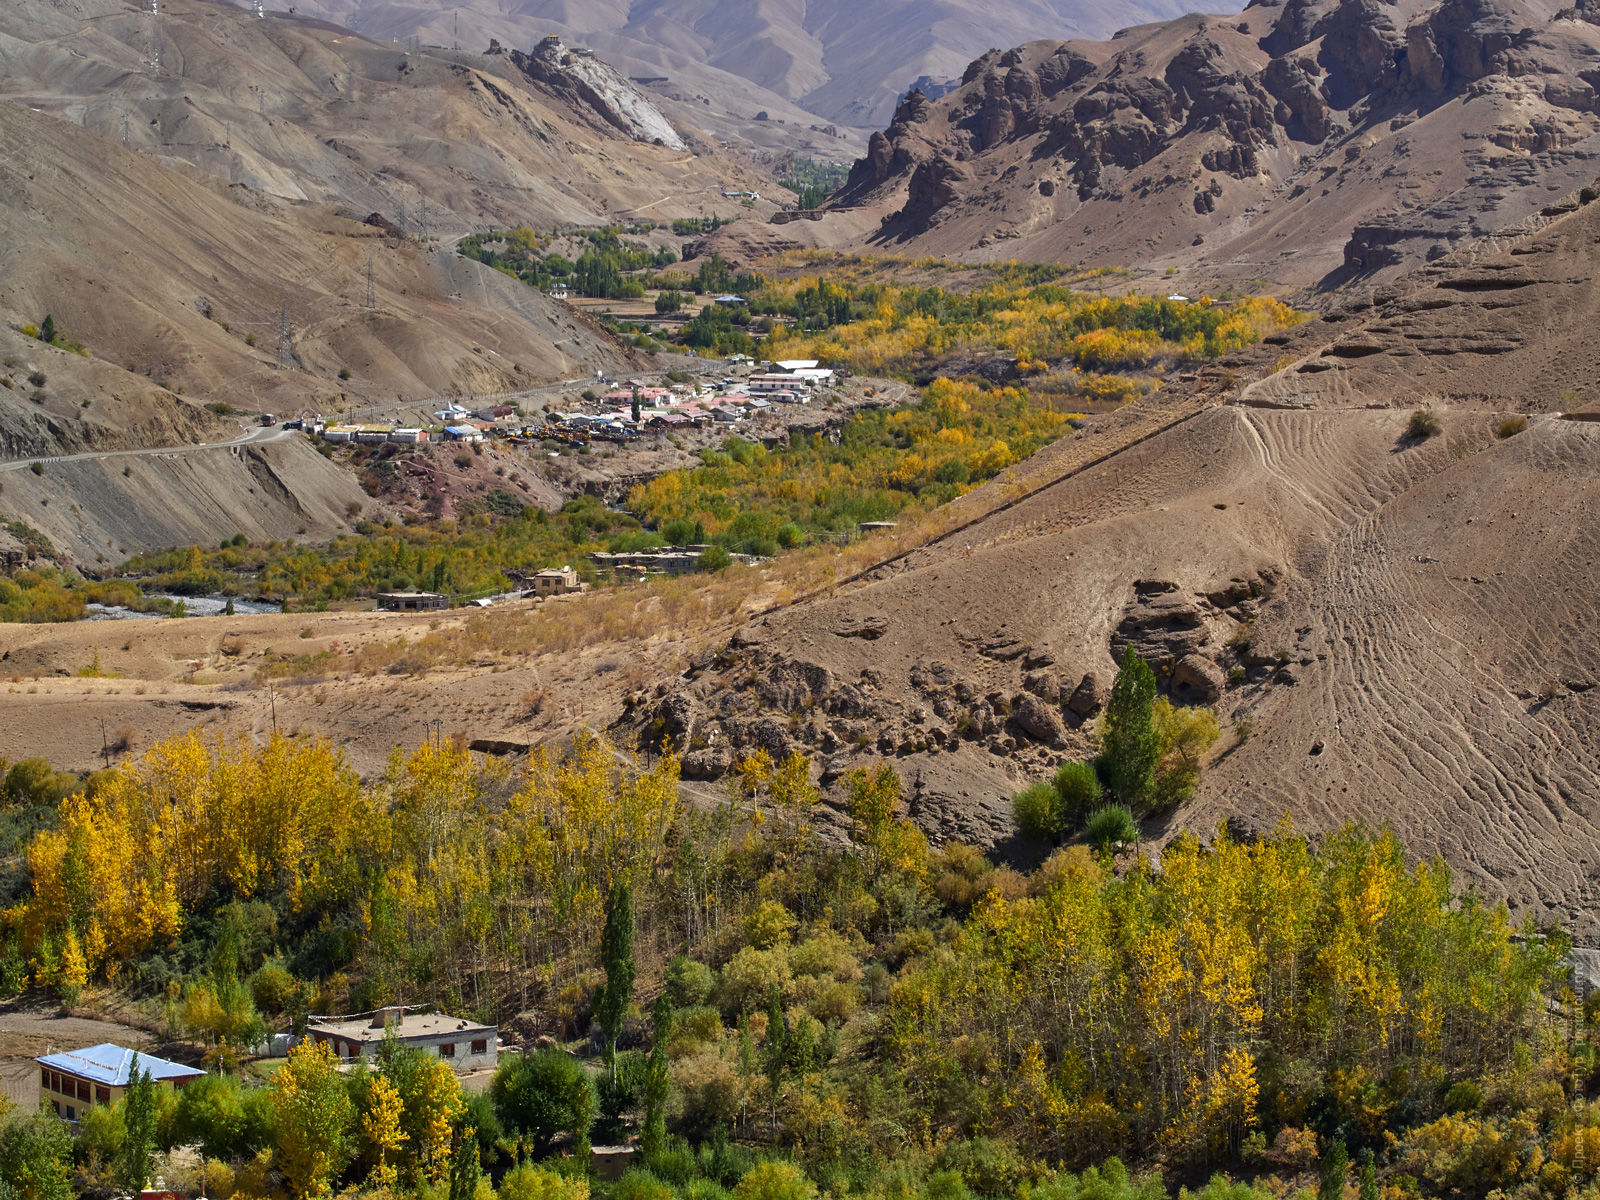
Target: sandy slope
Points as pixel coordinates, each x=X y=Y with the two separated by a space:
x=1418 y=650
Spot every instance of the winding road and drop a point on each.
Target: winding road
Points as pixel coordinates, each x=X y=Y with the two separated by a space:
x=251 y=437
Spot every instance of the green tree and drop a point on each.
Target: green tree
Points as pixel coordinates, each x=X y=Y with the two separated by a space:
x=465 y=1169
x=1369 y=1177
x=35 y=1152
x=657 y=1082
x=47 y=329
x=615 y=995
x=1130 y=744
x=541 y=1095
x=139 y=1122
x=1331 y=1171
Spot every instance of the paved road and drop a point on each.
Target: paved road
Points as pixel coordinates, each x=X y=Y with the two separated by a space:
x=251 y=437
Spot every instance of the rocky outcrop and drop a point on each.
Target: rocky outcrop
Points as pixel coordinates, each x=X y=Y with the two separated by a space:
x=596 y=87
x=1308 y=103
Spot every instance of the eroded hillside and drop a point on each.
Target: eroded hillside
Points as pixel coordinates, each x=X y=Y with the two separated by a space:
x=1391 y=625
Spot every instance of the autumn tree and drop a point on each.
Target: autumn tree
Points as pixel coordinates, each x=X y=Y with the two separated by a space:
x=382 y=1135
x=431 y=1105
x=312 y=1113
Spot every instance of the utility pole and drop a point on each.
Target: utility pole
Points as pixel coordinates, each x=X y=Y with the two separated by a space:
x=285 y=345
x=261 y=9
x=272 y=698
x=105 y=745
x=456 y=45
x=372 y=295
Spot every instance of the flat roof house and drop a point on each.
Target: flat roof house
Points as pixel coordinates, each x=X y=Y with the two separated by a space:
x=71 y=1081
x=466 y=1046
x=412 y=601
x=556 y=581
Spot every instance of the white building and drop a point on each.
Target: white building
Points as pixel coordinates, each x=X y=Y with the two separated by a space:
x=466 y=1046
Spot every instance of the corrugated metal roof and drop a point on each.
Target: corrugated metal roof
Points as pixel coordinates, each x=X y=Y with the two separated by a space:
x=112 y=1065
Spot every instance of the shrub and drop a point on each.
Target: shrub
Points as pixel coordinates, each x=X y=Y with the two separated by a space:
x=775 y=1181
x=1510 y=427
x=37 y=468
x=544 y=1094
x=344 y=372
x=1423 y=425
x=527 y=1182
x=715 y=558
x=689 y=983
x=1078 y=786
x=37 y=378
x=1111 y=826
x=1039 y=812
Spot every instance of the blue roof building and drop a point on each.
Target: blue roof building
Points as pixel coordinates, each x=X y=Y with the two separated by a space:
x=71 y=1081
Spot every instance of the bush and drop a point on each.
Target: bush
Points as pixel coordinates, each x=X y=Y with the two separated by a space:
x=544 y=1094
x=1423 y=425
x=344 y=372
x=1111 y=826
x=1510 y=427
x=1078 y=786
x=527 y=1182
x=1038 y=812
x=37 y=378
x=715 y=558
x=775 y=1181
x=689 y=983
x=37 y=468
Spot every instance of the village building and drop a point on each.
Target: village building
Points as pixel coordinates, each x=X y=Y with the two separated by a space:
x=412 y=601
x=463 y=433
x=556 y=581
x=758 y=385
x=408 y=437
x=463 y=1044
x=72 y=1081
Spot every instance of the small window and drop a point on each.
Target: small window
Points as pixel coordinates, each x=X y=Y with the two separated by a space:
x=448 y=1050
x=72 y=1113
x=102 y=1095
x=44 y=1080
x=481 y=1046
x=83 y=1090
x=56 y=1104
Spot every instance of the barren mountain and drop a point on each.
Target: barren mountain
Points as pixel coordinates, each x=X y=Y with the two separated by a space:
x=1305 y=142
x=1400 y=625
x=188 y=196
x=844 y=62
x=303 y=110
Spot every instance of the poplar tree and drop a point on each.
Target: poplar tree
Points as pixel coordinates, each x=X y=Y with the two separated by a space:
x=616 y=956
x=1130 y=743
x=139 y=1121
